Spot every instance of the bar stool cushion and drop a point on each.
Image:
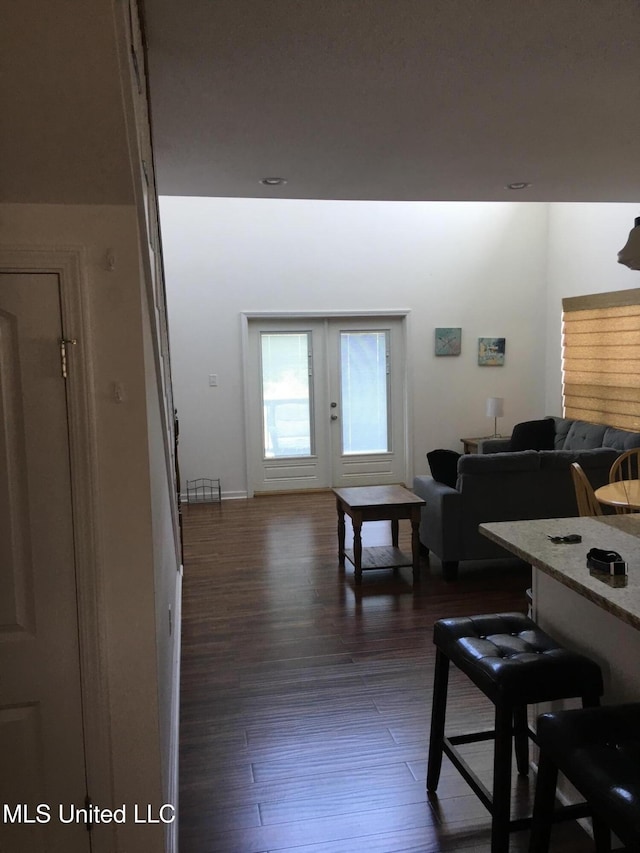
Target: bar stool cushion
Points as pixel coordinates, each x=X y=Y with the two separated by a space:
x=598 y=749
x=511 y=659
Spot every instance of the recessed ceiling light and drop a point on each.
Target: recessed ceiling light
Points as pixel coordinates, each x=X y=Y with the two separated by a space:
x=273 y=182
x=518 y=185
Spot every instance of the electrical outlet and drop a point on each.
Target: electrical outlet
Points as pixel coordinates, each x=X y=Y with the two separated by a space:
x=213 y=379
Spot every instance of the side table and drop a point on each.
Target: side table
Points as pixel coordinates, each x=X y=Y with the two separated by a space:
x=470 y=445
x=474 y=445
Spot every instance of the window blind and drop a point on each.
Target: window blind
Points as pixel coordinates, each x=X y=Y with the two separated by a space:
x=601 y=358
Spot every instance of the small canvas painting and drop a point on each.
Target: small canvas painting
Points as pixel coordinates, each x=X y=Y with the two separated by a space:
x=491 y=352
x=448 y=341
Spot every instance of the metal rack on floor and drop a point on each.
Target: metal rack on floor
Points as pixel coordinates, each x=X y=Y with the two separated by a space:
x=204 y=490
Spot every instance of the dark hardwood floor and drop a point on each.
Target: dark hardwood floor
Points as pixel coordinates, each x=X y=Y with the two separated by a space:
x=306 y=702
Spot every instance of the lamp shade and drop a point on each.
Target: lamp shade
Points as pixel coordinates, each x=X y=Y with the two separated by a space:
x=629 y=255
x=495 y=407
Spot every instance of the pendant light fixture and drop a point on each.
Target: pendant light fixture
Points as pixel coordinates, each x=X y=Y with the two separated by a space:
x=629 y=255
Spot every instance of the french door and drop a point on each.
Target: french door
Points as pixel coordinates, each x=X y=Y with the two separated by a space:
x=326 y=402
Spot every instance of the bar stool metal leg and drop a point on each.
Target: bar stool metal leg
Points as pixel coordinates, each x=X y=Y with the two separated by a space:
x=438 y=713
x=501 y=808
x=521 y=738
x=543 y=806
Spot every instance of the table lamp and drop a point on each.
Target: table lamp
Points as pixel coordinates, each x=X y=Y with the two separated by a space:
x=495 y=410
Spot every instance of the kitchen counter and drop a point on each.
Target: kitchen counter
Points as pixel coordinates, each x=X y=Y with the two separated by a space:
x=582 y=610
x=566 y=563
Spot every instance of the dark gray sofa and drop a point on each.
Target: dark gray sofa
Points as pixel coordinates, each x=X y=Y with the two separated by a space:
x=510 y=486
x=576 y=435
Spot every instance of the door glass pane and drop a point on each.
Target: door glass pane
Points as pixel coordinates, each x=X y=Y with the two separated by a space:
x=286 y=396
x=364 y=392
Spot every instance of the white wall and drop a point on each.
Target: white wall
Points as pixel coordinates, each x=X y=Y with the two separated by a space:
x=584 y=240
x=481 y=266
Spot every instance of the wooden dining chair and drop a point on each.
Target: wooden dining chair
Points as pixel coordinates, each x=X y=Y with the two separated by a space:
x=585 y=496
x=626 y=467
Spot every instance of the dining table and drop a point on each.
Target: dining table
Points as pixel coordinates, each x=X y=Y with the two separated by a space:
x=621 y=494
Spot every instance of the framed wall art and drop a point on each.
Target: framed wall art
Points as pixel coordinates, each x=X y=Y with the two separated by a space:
x=448 y=341
x=491 y=352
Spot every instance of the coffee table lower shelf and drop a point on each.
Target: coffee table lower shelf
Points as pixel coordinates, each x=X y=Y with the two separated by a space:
x=380 y=557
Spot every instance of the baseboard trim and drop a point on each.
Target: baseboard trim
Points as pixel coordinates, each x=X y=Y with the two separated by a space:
x=275 y=492
x=226 y=496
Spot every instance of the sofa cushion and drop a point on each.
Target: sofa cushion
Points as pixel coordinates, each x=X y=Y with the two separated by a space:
x=533 y=435
x=598 y=457
x=584 y=436
x=444 y=466
x=561 y=427
x=495 y=463
x=620 y=439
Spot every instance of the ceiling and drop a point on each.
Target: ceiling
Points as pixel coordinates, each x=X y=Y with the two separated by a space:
x=396 y=99
x=346 y=99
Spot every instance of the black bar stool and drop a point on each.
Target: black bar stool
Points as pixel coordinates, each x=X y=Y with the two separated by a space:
x=515 y=664
x=598 y=750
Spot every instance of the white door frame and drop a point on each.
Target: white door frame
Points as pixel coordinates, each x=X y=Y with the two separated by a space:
x=246 y=316
x=70 y=266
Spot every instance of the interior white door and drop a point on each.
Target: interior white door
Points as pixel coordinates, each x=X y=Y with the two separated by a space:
x=41 y=725
x=326 y=402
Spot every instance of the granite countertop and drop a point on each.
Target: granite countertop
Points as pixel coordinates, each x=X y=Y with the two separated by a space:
x=567 y=562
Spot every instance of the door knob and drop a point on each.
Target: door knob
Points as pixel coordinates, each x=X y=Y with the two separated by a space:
x=334 y=417
x=333 y=405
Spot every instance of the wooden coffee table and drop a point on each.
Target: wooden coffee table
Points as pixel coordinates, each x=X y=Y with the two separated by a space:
x=378 y=503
